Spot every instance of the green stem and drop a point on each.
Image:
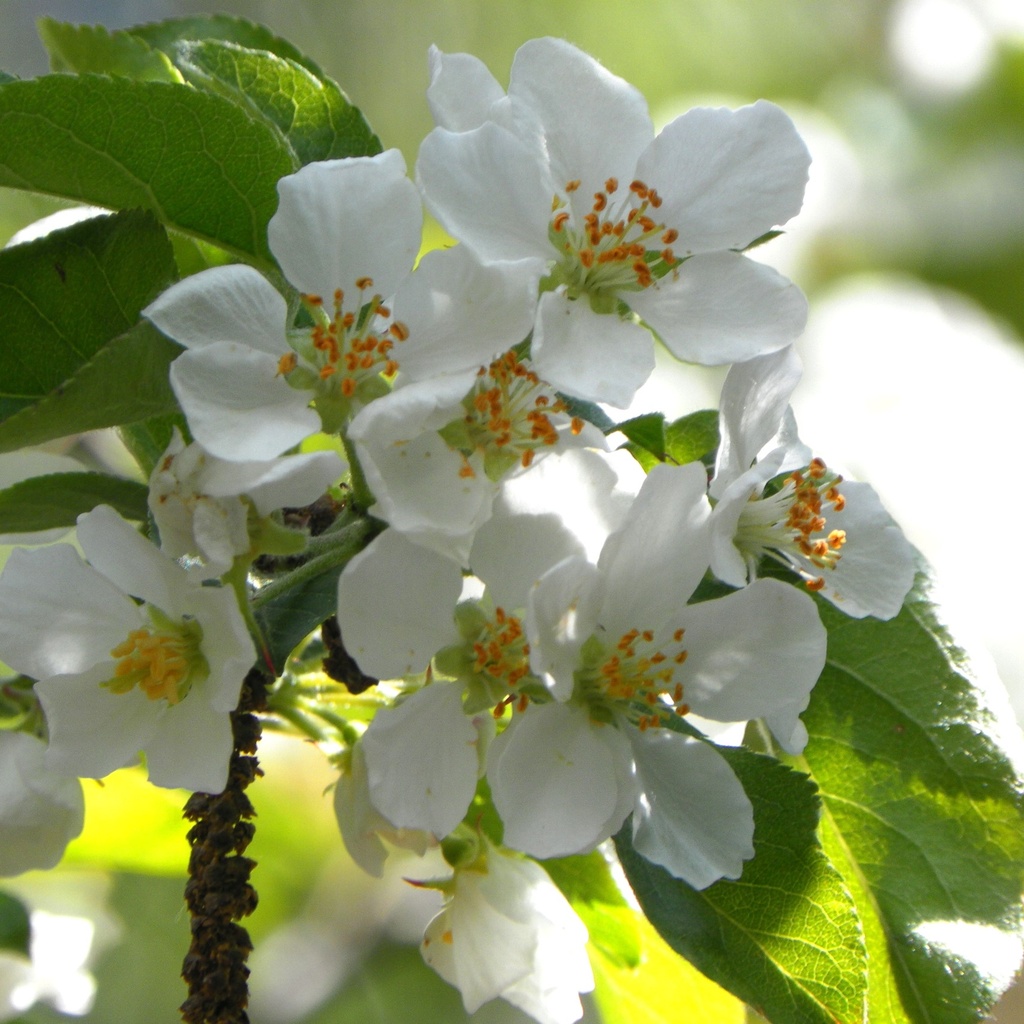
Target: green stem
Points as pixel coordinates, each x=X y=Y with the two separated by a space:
x=347 y=543
x=361 y=493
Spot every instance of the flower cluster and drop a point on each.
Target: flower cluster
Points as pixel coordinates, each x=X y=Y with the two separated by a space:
x=533 y=609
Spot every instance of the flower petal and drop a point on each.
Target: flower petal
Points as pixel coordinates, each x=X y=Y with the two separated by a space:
x=652 y=565
x=237 y=405
x=692 y=816
x=727 y=176
x=490 y=189
x=461 y=314
x=461 y=91
x=396 y=600
x=43 y=636
x=223 y=304
x=555 y=778
x=227 y=645
x=753 y=653
x=422 y=760
x=191 y=746
x=594 y=123
x=594 y=356
x=342 y=220
x=721 y=307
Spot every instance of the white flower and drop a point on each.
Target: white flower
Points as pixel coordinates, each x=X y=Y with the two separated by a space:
x=346 y=234
x=506 y=931
x=624 y=654
x=116 y=677
x=435 y=452
x=565 y=171
x=835 y=534
x=41 y=810
x=201 y=504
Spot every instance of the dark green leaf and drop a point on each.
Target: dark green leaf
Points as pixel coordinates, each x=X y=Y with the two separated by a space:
x=785 y=937
x=148 y=440
x=647 y=431
x=163 y=35
x=126 y=381
x=92 y=48
x=14 y=925
x=922 y=812
x=692 y=437
x=289 y=619
x=312 y=114
x=57 y=499
x=199 y=162
x=4 y=77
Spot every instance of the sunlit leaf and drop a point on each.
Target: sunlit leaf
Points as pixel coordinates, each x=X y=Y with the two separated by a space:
x=93 y=48
x=57 y=499
x=312 y=114
x=922 y=798
x=198 y=161
x=785 y=936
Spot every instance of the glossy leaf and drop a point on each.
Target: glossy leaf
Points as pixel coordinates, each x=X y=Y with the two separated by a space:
x=14 y=925
x=785 y=936
x=923 y=812
x=199 y=162
x=93 y=48
x=57 y=499
x=312 y=114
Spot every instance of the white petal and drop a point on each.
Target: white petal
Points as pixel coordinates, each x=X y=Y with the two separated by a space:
x=224 y=304
x=721 y=307
x=752 y=652
x=653 y=564
x=595 y=124
x=877 y=564
x=292 y=481
x=93 y=731
x=461 y=314
x=227 y=645
x=461 y=90
x=191 y=746
x=561 y=615
x=727 y=176
x=396 y=600
x=490 y=189
x=598 y=357
x=341 y=220
x=755 y=397
x=693 y=816
x=555 y=779
x=422 y=760
x=40 y=811
x=58 y=615
x=237 y=405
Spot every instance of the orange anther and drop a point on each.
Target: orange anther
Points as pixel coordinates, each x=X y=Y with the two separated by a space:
x=817 y=584
x=286 y=364
x=600 y=201
x=611 y=184
x=670 y=236
x=559 y=220
x=571 y=186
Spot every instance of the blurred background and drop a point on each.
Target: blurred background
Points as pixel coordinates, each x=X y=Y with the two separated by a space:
x=911 y=250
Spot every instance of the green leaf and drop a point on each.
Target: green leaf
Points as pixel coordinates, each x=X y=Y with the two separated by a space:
x=922 y=813
x=312 y=114
x=647 y=431
x=586 y=882
x=67 y=295
x=14 y=925
x=163 y=35
x=784 y=937
x=692 y=437
x=5 y=77
x=97 y=396
x=57 y=499
x=148 y=440
x=92 y=48
x=199 y=162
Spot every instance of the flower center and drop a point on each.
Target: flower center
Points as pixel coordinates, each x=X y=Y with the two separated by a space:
x=510 y=414
x=636 y=672
x=344 y=354
x=790 y=525
x=618 y=247
x=164 y=660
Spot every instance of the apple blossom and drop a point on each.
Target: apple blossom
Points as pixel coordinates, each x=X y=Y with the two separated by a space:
x=833 y=533
x=506 y=931
x=116 y=677
x=629 y=228
x=202 y=504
